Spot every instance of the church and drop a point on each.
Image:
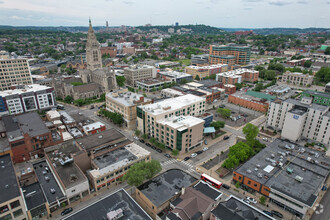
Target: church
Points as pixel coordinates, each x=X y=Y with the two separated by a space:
x=95 y=72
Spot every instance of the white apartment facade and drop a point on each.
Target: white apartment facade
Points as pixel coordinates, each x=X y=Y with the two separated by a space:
x=297 y=119
x=136 y=73
x=298 y=79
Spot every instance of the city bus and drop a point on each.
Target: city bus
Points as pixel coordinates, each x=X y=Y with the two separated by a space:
x=217 y=184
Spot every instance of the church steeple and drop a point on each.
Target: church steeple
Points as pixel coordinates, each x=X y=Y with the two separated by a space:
x=93 y=52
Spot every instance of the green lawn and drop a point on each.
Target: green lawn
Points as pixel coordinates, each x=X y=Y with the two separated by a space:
x=186 y=62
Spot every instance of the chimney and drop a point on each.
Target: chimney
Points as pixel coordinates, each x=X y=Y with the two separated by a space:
x=183 y=190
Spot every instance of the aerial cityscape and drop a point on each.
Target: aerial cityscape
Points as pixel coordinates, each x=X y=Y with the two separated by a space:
x=164 y=110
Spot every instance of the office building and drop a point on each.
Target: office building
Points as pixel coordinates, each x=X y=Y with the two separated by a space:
x=27 y=98
x=290 y=175
x=11 y=202
x=125 y=103
x=170 y=93
x=14 y=72
x=109 y=168
x=300 y=119
x=136 y=73
x=206 y=71
x=118 y=205
x=230 y=54
x=199 y=60
x=298 y=79
x=150 y=85
x=320 y=98
x=177 y=77
x=238 y=76
x=156 y=194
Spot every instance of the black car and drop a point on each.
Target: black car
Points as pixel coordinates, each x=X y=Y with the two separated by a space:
x=167 y=155
x=226 y=137
x=278 y=214
x=233 y=112
x=225 y=186
x=159 y=150
x=142 y=141
x=66 y=211
x=222 y=106
x=199 y=152
x=153 y=147
x=245 y=115
x=186 y=158
x=268 y=213
x=149 y=145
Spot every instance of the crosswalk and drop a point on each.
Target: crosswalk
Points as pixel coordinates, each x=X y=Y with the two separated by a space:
x=190 y=168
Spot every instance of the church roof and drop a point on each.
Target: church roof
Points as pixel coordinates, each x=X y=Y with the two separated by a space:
x=87 y=88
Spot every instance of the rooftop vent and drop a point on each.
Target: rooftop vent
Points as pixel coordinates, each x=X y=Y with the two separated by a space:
x=52 y=190
x=100 y=137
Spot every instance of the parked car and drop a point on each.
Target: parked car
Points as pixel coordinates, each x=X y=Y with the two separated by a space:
x=92 y=107
x=252 y=200
x=245 y=115
x=278 y=214
x=186 y=158
x=233 y=112
x=222 y=106
x=149 y=145
x=225 y=186
x=265 y=139
x=268 y=213
x=193 y=155
x=167 y=155
x=246 y=201
x=159 y=150
x=199 y=152
x=142 y=141
x=205 y=142
x=238 y=117
x=205 y=148
x=153 y=147
x=66 y=211
x=226 y=137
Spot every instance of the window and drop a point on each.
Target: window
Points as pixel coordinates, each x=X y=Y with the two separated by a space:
x=3 y=209
x=6 y=217
x=249 y=182
x=14 y=204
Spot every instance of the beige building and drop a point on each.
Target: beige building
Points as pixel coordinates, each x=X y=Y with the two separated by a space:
x=109 y=168
x=14 y=72
x=157 y=119
x=136 y=72
x=205 y=71
x=11 y=201
x=298 y=79
x=124 y=103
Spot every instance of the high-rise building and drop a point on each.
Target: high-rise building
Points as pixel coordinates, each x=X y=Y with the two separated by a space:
x=136 y=72
x=93 y=50
x=230 y=54
x=13 y=71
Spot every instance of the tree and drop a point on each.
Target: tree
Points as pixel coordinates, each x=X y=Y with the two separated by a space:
x=238 y=86
x=327 y=51
x=238 y=184
x=218 y=124
x=259 y=87
x=175 y=152
x=276 y=66
x=238 y=153
x=224 y=112
x=153 y=89
x=308 y=63
x=197 y=77
x=270 y=75
x=120 y=80
x=251 y=131
x=141 y=171
x=137 y=132
x=68 y=99
x=323 y=75
x=262 y=200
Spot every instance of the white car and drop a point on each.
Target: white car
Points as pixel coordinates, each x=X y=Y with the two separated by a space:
x=193 y=155
x=205 y=148
x=265 y=139
x=252 y=200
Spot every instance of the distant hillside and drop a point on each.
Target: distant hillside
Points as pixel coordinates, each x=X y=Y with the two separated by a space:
x=266 y=31
x=196 y=29
x=50 y=28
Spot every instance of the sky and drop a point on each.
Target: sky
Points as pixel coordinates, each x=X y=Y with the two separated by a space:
x=217 y=13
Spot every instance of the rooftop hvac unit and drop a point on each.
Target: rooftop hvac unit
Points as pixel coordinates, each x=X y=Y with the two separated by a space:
x=117 y=214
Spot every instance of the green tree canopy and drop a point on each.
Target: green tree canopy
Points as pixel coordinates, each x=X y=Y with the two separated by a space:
x=308 y=63
x=323 y=75
x=68 y=99
x=251 y=131
x=218 y=124
x=120 y=80
x=224 y=112
x=327 y=51
x=141 y=171
x=197 y=77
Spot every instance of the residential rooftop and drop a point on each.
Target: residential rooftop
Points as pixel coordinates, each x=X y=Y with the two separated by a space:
x=67 y=119
x=127 y=98
x=235 y=208
x=312 y=105
x=95 y=125
x=166 y=185
x=174 y=74
x=289 y=168
x=24 y=89
x=172 y=104
x=113 y=202
x=313 y=93
x=33 y=195
x=214 y=66
x=118 y=158
x=152 y=81
x=181 y=122
x=9 y=188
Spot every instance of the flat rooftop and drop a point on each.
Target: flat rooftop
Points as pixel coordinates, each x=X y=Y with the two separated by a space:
x=67 y=119
x=181 y=122
x=237 y=72
x=323 y=94
x=106 y=137
x=207 y=190
x=61 y=155
x=48 y=183
x=214 y=66
x=9 y=188
x=152 y=81
x=127 y=98
x=95 y=125
x=118 y=158
x=33 y=195
x=172 y=104
x=26 y=89
x=312 y=105
x=174 y=74
x=271 y=167
x=118 y=200
x=164 y=186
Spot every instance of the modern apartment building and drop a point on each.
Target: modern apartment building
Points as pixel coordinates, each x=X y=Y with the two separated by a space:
x=300 y=119
x=229 y=54
x=14 y=72
x=136 y=72
x=26 y=98
x=11 y=202
x=298 y=79
x=124 y=103
x=320 y=98
x=205 y=71
x=238 y=76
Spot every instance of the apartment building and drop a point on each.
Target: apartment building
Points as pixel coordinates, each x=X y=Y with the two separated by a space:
x=26 y=98
x=109 y=168
x=124 y=103
x=229 y=54
x=300 y=119
x=11 y=202
x=290 y=175
x=320 y=98
x=136 y=72
x=238 y=76
x=151 y=84
x=296 y=78
x=205 y=71
x=199 y=60
x=14 y=72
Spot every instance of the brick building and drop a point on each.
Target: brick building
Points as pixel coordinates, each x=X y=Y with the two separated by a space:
x=229 y=54
x=238 y=76
x=111 y=51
